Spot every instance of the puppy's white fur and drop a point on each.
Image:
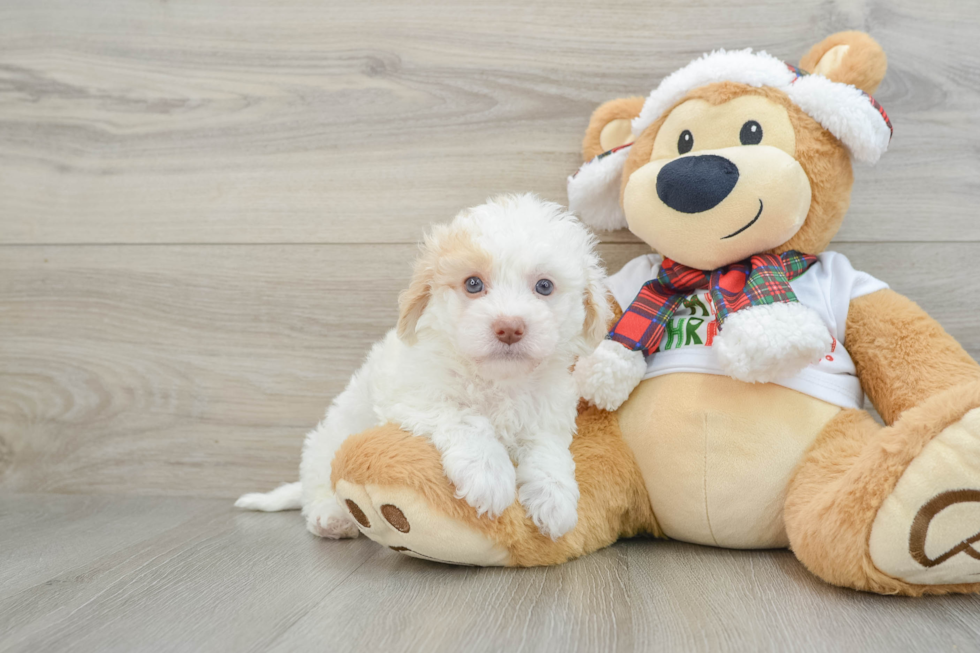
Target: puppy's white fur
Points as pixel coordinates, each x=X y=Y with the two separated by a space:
x=444 y=374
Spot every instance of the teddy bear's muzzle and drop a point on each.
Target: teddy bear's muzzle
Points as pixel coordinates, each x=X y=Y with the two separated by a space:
x=695 y=184
x=716 y=207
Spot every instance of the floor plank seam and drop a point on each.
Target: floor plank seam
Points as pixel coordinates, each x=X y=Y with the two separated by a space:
x=316 y=604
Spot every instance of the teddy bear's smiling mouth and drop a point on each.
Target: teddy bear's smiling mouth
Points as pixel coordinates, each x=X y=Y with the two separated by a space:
x=751 y=222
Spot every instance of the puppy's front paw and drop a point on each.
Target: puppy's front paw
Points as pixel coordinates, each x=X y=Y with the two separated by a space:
x=551 y=504
x=327 y=519
x=483 y=474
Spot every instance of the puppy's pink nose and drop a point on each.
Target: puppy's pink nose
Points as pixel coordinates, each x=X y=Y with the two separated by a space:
x=508 y=329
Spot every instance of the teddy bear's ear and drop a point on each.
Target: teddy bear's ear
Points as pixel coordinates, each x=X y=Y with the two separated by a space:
x=610 y=127
x=593 y=191
x=848 y=57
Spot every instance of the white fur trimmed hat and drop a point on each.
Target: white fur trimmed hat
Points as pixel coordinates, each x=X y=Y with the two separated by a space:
x=847 y=112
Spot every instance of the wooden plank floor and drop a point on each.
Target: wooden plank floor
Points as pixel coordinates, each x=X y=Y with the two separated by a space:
x=207 y=209
x=169 y=574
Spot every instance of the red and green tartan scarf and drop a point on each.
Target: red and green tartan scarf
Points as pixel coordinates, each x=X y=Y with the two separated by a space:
x=763 y=279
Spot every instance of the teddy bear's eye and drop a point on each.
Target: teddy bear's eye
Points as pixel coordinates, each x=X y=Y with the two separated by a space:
x=751 y=133
x=685 y=142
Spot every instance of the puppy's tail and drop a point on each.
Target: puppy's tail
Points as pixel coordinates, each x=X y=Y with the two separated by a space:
x=284 y=497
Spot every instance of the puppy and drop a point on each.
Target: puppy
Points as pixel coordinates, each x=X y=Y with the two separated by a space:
x=502 y=301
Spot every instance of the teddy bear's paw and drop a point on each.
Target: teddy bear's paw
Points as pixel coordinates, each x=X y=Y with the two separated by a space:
x=927 y=531
x=483 y=474
x=326 y=518
x=773 y=341
x=551 y=504
x=404 y=520
x=606 y=377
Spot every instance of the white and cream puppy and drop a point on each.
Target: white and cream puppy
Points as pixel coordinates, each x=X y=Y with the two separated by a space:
x=502 y=301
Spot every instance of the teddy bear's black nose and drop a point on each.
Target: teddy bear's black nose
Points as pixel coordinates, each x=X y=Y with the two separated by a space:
x=692 y=184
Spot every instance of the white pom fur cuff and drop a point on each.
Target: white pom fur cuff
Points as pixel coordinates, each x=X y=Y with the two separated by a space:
x=760 y=344
x=606 y=377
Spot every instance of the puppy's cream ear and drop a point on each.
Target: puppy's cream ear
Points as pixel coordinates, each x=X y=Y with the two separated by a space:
x=413 y=300
x=598 y=314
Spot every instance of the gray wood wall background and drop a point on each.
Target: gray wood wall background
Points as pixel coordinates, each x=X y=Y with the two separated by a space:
x=207 y=208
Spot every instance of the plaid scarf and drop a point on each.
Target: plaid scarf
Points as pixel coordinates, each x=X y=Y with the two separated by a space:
x=763 y=279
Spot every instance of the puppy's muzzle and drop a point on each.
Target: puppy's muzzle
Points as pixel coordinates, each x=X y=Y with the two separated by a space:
x=508 y=329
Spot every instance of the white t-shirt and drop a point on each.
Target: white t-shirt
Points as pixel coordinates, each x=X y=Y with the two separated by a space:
x=827 y=287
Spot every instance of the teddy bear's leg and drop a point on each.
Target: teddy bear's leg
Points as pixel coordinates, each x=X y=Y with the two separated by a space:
x=393 y=486
x=895 y=509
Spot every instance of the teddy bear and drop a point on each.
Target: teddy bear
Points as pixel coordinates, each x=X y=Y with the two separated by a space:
x=726 y=406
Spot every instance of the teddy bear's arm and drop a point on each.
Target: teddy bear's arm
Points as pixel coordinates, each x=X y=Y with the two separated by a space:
x=902 y=355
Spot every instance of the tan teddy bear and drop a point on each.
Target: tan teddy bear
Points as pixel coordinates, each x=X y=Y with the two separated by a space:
x=740 y=358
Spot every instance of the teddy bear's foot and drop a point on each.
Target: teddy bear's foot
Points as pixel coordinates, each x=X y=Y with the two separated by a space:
x=393 y=485
x=402 y=520
x=927 y=531
x=896 y=509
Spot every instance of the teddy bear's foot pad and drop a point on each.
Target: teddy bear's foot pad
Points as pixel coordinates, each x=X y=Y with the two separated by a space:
x=402 y=520
x=927 y=532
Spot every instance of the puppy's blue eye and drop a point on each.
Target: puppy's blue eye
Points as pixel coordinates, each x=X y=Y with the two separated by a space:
x=473 y=285
x=544 y=287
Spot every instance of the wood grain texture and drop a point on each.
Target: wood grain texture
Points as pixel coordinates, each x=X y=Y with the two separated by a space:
x=156 y=574
x=196 y=370
x=207 y=209
x=303 y=121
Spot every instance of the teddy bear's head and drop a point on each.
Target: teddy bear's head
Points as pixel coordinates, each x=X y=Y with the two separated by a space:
x=737 y=153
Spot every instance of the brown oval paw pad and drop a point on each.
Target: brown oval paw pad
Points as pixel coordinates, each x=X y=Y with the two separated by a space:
x=396 y=518
x=358 y=514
